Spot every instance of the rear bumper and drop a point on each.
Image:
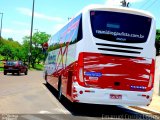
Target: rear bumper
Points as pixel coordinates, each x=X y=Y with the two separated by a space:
x=102 y=96
x=11 y=70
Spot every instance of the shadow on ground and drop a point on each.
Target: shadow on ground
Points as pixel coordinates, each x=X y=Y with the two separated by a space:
x=99 y=111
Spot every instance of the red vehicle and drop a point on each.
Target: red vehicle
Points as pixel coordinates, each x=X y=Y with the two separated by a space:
x=15 y=67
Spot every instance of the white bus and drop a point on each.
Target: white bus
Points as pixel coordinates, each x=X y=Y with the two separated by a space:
x=104 y=55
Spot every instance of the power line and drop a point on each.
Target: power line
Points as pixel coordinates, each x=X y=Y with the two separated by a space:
x=151 y=4
x=126 y=4
x=144 y=4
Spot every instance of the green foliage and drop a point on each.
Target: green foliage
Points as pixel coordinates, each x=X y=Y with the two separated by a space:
x=1 y=57
x=39 y=66
x=10 y=39
x=158 y=35
x=12 y=50
x=1 y=69
x=1 y=64
x=37 y=40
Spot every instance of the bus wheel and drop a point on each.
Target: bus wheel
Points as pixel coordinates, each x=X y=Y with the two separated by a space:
x=18 y=73
x=59 y=89
x=45 y=77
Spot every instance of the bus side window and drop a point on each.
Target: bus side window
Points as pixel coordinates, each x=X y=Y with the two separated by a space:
x=72 y=33
x=77 y=31
x=62 y=36
x=80 y=34
x=54 y=42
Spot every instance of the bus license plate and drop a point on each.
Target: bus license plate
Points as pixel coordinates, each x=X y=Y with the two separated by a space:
x=115 y=96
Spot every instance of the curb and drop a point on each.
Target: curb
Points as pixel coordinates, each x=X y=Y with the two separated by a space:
x=53 y=99
x=145 y=109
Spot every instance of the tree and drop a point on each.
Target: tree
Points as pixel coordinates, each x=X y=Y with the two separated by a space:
x=10 y=39
x=38 y=39
x=157 y=43
x=10 y=49
x=158 y=35
x=6 y=51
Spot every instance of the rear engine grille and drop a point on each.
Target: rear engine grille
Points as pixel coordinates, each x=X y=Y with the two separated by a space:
x=131 y=49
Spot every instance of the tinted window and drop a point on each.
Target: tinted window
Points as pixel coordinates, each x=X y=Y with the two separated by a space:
x=120 y=27
x=76 y=32
x=11 y=63
x=54 y=42
x=62 y=34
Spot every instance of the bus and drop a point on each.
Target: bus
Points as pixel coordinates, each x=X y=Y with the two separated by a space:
x=104 y=55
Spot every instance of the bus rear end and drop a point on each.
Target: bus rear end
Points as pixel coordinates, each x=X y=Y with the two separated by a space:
x=119 y=69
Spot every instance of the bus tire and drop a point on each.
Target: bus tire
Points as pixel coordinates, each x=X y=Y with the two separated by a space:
x=18 y=73
x=45 y=78
x=59 y=89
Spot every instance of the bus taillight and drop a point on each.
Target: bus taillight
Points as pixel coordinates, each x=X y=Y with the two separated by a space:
x=81 y=69
x=81 y=77
x=151 y=80
x=80 y=59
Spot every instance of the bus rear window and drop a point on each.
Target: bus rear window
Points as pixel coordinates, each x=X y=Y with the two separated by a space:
x=120 y=27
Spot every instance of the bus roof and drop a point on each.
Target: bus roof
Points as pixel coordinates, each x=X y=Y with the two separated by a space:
x=109 y=8
x=112 y=8
x=118 y=9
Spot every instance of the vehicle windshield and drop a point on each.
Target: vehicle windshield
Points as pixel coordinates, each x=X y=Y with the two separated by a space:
x=120 y=27
x=11 y=63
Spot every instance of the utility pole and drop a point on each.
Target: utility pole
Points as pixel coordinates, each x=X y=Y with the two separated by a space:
x=30 y=47
x=125 y=3
x=1 y=25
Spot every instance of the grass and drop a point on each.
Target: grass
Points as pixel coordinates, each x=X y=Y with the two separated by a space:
x=1 y=65
x=37 y=67
x=1 y=69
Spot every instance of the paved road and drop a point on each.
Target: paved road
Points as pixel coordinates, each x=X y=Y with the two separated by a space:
x=26 y=94
x=31 y=99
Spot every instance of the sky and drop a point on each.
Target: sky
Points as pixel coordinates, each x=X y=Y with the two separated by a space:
x=51 y=15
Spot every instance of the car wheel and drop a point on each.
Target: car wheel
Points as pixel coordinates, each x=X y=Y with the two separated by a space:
x=18 y=73
x=5 y=73
x=59 y=90
x=26 y=72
